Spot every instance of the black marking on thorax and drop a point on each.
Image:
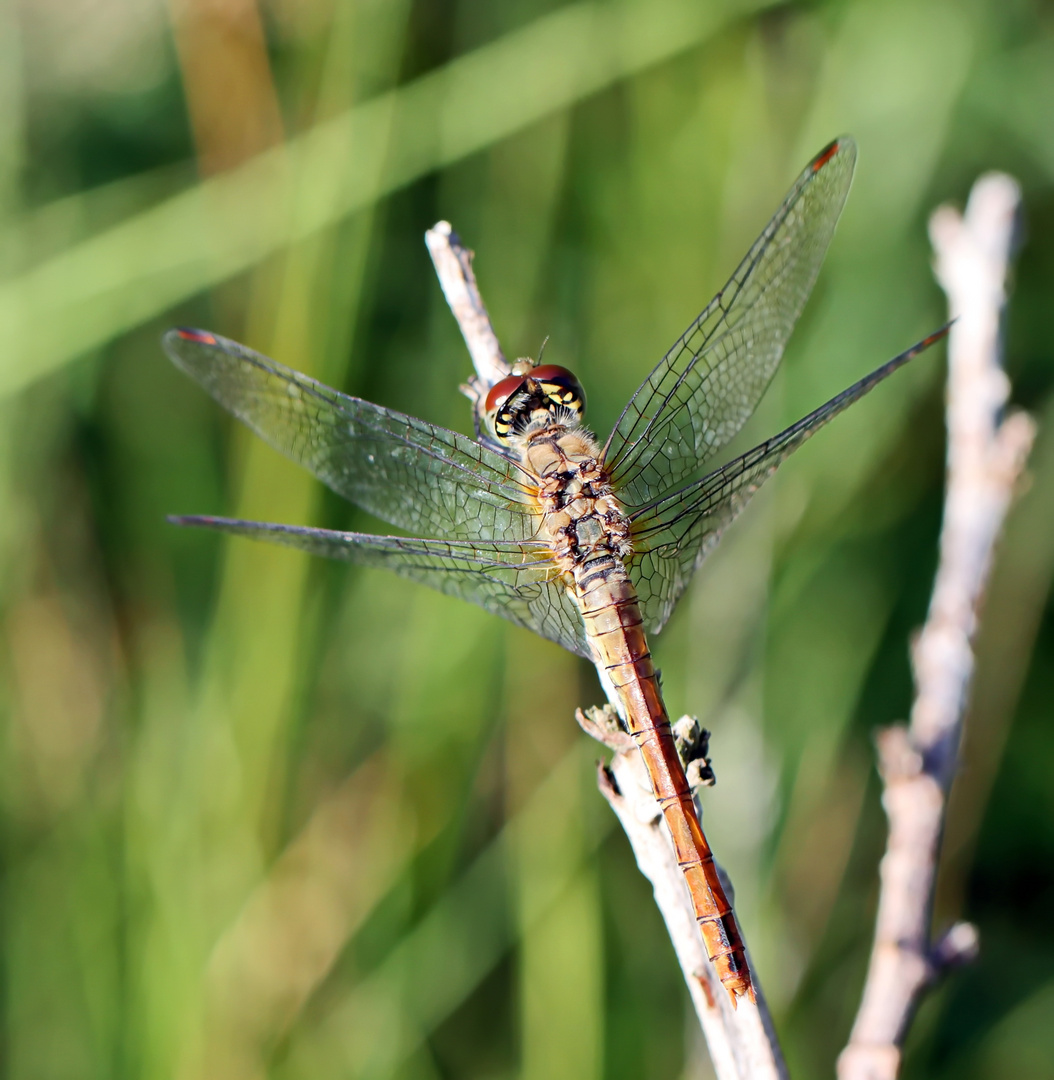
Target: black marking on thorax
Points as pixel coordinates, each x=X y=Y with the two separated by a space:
x=589 y=531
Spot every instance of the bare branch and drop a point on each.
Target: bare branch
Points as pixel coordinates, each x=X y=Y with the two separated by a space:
x=986 y=455
x=453 y=266
x=742 y=1041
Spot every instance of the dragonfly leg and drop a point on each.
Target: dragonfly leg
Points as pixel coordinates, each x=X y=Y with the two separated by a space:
x=693 y=748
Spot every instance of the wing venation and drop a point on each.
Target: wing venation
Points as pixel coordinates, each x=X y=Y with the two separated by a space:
x=515 y=580
x=417 y=476
x=707 y=385
x=673 y=535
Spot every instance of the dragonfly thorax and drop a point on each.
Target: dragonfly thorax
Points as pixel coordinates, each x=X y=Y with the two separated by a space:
x=582 y=518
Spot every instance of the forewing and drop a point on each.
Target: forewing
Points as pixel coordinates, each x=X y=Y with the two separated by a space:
x=412 y=474
x=673 y=535
x=515 y=580
x=708 y=384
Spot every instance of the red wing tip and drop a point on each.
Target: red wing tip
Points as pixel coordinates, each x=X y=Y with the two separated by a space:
x=199 y=337
x=826 y=154
x=190 y=519
x=933 y=338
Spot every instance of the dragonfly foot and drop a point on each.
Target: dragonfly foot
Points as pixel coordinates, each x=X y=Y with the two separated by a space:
x=693 y=746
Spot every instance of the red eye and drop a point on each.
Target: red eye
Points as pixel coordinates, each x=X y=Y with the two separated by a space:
x=500 y=392
x=552 y=373
x=561 y=386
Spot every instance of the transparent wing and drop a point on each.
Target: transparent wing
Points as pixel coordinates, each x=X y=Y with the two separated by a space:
x=673 y=535
x=410 y=473
x=708 y=384
x=515 y=580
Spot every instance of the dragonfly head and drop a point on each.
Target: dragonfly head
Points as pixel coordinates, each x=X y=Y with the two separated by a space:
x=544 y=394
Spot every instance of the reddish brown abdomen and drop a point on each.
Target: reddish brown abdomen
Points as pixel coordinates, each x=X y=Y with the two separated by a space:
x=613 y=623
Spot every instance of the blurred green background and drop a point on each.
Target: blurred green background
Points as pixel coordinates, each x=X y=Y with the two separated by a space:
x=264 y=816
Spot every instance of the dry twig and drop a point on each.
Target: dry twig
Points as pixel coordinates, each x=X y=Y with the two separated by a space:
x=453 y=264
x=742 y=1041
x=986 y=455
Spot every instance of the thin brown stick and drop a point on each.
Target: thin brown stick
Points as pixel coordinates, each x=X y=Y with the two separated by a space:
x=742 y=1041
x=986 y=455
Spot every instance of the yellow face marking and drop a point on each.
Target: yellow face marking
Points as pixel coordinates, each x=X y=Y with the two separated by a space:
x=540 y=388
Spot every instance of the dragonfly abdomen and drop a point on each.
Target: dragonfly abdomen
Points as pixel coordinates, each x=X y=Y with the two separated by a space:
x=614 y=628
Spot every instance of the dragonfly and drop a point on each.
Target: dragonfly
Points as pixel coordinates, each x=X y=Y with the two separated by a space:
x=589 y=544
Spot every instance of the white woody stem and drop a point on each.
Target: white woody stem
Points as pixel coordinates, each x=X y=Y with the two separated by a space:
x=453 y=266
x=986 y=454
x=742 y=1042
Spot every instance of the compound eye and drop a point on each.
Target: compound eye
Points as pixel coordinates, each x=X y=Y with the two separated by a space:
x=497 y=397
x=501 y=391
x=560 y=386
